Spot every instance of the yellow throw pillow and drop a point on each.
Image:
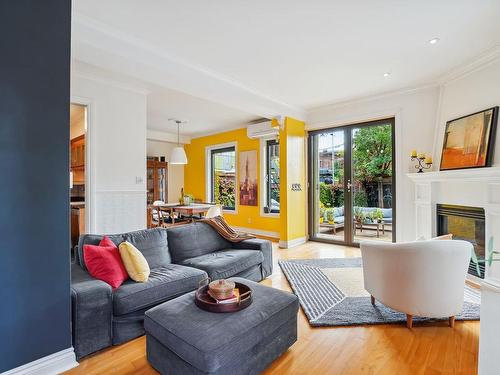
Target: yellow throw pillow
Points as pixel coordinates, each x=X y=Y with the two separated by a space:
x=136 y=265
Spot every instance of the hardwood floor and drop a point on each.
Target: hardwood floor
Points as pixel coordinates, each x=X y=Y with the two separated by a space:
x=433 y=348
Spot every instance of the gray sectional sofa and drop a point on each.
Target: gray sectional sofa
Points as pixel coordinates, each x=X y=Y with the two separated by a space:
x=179 y=258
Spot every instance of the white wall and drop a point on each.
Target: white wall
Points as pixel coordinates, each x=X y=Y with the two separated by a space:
x=175 y=172
x=471 y=93
x=415 y=113
x=116 y=156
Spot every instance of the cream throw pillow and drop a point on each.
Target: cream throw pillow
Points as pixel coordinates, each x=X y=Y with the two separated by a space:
x=136 y=265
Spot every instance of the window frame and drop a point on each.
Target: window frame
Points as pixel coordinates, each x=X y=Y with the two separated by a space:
x=264 y=173
x=210 y=151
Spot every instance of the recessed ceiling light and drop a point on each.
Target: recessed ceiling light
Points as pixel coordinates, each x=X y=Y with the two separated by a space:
x=387 y=74
x=434 y=41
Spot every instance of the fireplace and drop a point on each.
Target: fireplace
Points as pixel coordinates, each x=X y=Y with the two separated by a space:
x=465 y=223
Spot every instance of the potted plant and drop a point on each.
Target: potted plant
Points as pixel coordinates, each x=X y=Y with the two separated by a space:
x=359 y=215
x=330 y=217
x=378 y=215
x=188 y=199
x=321 y=214
x=490 y=256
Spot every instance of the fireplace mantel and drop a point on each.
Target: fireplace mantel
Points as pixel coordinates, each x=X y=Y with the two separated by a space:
x=478 y=187
x=473 y=174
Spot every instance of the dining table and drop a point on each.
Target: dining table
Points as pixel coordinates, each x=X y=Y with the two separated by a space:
x=182 y=209
x=193 y=209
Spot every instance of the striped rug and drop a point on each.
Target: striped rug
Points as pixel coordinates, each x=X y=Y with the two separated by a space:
x=328 y=304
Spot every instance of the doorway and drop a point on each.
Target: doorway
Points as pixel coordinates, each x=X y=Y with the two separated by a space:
x=77 y=170
x=352 y=183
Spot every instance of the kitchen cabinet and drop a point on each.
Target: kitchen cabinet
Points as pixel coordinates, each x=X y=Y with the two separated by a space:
x=78 y=152
x=77 y=148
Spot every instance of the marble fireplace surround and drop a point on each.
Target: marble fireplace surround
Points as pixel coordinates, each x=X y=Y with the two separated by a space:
x=478 y=187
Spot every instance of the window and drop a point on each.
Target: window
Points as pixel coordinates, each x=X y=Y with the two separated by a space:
x=272 y=177
x=223 y=177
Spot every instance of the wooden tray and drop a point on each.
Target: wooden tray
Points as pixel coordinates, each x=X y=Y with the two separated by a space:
x=203 y=300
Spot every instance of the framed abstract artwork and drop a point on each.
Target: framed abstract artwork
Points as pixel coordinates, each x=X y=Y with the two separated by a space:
x=469 y=141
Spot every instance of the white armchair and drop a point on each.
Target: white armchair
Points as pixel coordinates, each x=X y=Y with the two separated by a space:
x=421 y=278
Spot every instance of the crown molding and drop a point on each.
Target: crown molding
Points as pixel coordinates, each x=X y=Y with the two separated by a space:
x=369 y=98
x=96 y=43
x=478 y=63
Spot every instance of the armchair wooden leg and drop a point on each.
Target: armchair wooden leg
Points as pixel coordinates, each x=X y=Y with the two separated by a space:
x=409 y=321
x=373 y=300
x=451 y=321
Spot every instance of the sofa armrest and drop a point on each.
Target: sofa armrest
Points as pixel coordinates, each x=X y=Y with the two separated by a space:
x=267 y=250
x=91 y=312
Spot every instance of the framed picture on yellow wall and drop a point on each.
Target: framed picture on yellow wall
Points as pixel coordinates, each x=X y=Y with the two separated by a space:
x=248 y=178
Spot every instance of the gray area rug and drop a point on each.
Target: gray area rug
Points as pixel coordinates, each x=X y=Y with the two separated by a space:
x=331 y=293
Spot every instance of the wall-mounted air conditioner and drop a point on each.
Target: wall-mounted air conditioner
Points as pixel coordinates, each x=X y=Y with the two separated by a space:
x=262 y=129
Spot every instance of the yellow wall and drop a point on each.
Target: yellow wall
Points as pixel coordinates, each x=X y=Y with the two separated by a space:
x=194 y=178
x=293 y=171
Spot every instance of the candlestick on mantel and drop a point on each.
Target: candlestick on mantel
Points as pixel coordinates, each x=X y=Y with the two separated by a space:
x=424 y=162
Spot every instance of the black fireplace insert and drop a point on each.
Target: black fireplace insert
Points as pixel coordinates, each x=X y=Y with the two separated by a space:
x=465 y=223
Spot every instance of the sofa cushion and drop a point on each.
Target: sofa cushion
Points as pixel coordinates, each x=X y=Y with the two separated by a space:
x=368 y=210
x=164 y=283
x=225 y=263
x=338 y=211
x=189 y=241
x=386 y=212
x=339 y=219
x=153 y=244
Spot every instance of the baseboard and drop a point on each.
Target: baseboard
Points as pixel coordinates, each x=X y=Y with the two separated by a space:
x=292 y=243
x=50 y=365
x=258 y=232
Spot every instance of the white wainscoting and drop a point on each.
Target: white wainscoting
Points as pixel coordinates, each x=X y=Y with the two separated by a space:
x=119 y=211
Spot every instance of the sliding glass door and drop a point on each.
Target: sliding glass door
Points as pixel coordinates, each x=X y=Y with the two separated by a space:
x=351 y=180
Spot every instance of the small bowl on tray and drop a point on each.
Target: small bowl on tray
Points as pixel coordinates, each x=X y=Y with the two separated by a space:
x=239 y=299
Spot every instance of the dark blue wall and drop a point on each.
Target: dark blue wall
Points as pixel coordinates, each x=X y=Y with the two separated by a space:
x=34 y=179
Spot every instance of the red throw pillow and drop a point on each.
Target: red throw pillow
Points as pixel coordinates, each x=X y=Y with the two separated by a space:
x=103 y=262
x=107 y=242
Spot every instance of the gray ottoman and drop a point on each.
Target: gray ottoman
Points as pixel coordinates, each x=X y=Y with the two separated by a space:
x=183 y=339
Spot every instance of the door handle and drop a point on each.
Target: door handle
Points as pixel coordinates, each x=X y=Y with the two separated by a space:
x=349 y=186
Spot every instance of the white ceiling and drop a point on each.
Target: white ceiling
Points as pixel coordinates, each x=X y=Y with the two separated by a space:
x=279 y=57
x=203 y=116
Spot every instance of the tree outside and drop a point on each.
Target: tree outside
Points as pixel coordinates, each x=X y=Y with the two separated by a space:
x=372 y=158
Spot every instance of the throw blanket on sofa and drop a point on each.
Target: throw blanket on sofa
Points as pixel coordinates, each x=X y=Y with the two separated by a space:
x=223 y=228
